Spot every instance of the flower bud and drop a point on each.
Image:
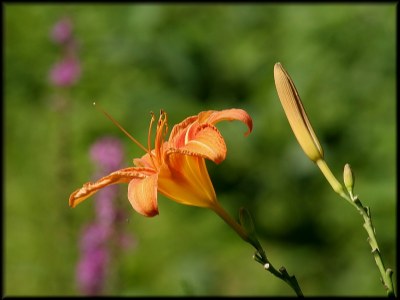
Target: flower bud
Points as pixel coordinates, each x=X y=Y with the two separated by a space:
x=296 y=114
x=348 y=178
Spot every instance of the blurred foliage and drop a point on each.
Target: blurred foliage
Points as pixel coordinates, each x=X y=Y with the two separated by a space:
x=186 y=58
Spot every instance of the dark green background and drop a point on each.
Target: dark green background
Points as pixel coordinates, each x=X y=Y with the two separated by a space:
x=184 y=59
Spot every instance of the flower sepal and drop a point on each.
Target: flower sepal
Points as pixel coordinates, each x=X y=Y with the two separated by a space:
x=247 y=223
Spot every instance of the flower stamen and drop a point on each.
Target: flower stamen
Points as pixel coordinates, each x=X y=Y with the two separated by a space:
x=149 y=141
x=122 y=129
x=160 y=135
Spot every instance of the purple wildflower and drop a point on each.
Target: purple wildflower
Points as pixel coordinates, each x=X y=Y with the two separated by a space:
x=62 y=31
x=66 y=72
x=107 y=153
x=91 y=268
x=91 y=271
x=105 y=207
x=93 y=237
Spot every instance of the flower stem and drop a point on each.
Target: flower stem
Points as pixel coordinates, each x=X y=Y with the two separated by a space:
x=386 y=274
x=335 y=184
x=220 y=211
x=260 y=255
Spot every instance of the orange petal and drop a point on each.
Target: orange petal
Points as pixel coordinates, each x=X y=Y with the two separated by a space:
x=185 y=179
x=142 y=194
x=206 y=141
x=178 y=132
x=214 y=117
x=144 y=161
x=120 y=176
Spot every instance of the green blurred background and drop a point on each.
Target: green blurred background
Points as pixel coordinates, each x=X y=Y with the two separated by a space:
x=184 y=59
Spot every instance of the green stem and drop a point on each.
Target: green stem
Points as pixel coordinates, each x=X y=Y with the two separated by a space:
x=260 y=255
x=335 y=184
x=368 y=226
x=220 y=211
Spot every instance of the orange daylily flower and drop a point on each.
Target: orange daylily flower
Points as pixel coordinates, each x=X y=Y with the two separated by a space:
x=176 y=168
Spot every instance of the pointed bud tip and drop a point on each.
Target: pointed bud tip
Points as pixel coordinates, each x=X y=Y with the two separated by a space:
x=277 y=67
